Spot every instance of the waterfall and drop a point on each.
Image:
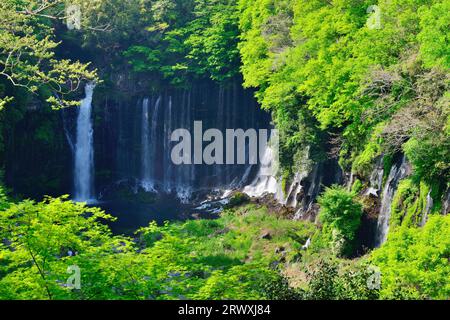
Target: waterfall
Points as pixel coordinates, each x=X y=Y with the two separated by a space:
x=140 y=133
x=149 y=142
x=167 y=165
x=266 y=181
x=84 y=150
x=145 y=145
x=295 y=189
x=376 y=179
x=398 y=172
x=304 y=188
x=154 y=134
x=315 y=181
x=428 y=207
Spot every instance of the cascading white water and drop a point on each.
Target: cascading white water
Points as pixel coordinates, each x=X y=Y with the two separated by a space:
x=149 y=143
x=376 y=179
x=186 y=174
x=428 y=207
x=84 y=150
x=142 y=138
x=145 y=136
x=311 y=194
x=168 y=183
x=295 y=188
x=266 y=181
x=154 y=132
x=398 y=172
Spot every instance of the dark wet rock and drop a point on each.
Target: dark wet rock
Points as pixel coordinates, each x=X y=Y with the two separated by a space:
x=274 y=207
x=280 y=250
x=237 y=199
x=266 y=235
x=274 y=265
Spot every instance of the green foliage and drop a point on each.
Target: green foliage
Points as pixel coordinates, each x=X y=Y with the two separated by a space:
x=222 y=259
x=144 y=59
x=341 y=216
x=434 y=36
x=332 y=280
x=363 y=163
x=323 y=283
x=357 y=186
x=278 y=288
x=332 y=83
x=414 y=261
x=404 y=199
x=213 y=38
x=223 y=285
x=430 y=157
x=409 y=206
x=4 y=201
x=38 y=237
x=28 y=47
x=237 y=200
x=197 y=42
x=343 y=74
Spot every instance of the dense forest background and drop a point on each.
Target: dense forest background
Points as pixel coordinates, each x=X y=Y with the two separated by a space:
x=364 y=83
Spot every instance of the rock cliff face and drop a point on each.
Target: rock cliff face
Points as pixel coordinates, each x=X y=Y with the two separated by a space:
x=132 y=131
x=133 y=140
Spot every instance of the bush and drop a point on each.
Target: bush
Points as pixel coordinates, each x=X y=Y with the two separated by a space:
x=278 y=288
x=4 y=202
x=415 y=261
x=328 y=280
x=341 y=216
x=430 y=157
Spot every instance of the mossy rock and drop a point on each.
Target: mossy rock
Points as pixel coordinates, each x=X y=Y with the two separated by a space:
x=237 y=200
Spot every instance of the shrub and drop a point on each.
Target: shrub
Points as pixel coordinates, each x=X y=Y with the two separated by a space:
x=278 y=288
x=341 y=215
x=414 y=261
x=328 y=280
